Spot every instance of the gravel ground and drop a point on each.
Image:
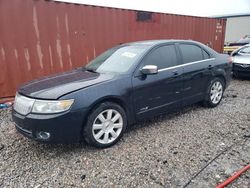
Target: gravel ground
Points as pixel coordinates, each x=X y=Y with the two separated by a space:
x=166 y=151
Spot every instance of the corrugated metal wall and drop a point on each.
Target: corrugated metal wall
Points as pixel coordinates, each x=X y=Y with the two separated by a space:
x=39 y=37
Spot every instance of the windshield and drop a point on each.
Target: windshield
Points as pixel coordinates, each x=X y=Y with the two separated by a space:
x=245 y=50
x=117 y=60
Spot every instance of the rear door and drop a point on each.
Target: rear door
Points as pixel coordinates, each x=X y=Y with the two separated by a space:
x=197 y=71
x=157 y=93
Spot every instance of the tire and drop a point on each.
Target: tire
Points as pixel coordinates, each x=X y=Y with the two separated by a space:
x=105 y=125
x=214 y=93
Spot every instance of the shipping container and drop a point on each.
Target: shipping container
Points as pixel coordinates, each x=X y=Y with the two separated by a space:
x=39 y=37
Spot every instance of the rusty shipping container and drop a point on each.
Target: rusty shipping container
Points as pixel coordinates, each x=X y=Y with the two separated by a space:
x=39 y=38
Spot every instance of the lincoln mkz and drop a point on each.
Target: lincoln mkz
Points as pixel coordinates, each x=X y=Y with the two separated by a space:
x=123 y=85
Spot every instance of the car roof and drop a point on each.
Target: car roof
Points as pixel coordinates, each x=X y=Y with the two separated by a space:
x=153 y=43
x=157 y=42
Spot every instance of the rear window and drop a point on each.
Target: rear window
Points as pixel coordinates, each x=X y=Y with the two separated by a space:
x=191 y=53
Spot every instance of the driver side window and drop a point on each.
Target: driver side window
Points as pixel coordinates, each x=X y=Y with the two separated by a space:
x=162 y=57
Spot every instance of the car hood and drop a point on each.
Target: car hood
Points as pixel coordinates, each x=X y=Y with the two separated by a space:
x=241 y=59
x=53 y=87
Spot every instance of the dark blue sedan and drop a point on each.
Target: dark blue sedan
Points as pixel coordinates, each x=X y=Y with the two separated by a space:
x=125 y=84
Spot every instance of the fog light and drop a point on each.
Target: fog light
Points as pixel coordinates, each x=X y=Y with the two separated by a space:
x=43 y=135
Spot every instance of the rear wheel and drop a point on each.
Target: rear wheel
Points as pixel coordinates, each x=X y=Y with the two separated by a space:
x=214 y=92
x=105 y=125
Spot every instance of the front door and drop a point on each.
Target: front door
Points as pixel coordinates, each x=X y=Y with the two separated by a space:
x=158 y=93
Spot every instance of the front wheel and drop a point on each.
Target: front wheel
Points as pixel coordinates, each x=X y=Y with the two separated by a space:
x=105 y=125
x=214 y=93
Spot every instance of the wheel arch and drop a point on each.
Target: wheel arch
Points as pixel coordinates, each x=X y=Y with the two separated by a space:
x=223 y=78
x=115 y=99
x=220 y=73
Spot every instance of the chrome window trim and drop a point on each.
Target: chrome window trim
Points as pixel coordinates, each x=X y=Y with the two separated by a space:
x=191 y=63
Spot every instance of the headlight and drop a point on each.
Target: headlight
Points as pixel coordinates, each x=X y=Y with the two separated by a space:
x=22 y=104
x=47 y=107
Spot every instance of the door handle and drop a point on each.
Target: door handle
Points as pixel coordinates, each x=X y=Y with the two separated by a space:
x=210 y=67
x=175 y=73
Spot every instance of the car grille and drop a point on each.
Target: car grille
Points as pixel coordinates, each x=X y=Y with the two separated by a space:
x=241 y=67
x=23 y=105
x=245 y=65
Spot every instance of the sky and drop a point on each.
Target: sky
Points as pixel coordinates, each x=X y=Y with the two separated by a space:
x=205 y=8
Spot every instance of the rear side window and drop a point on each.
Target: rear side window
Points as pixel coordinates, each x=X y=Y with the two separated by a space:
x=162 y=57
x=191 y=53
x=205 y=54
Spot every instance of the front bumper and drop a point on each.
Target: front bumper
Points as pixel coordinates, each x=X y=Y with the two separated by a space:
x=242 y=69
x=63 y=128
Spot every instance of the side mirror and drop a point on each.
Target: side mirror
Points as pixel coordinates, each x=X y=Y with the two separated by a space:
x=149 y=69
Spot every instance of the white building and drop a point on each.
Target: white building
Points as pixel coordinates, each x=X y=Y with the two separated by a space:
x=237 y=27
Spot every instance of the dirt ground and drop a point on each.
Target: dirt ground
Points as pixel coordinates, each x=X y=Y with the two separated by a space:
x=166 y=151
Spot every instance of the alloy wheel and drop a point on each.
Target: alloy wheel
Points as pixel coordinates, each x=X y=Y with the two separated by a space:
x=107 y=126
x=216 y=92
